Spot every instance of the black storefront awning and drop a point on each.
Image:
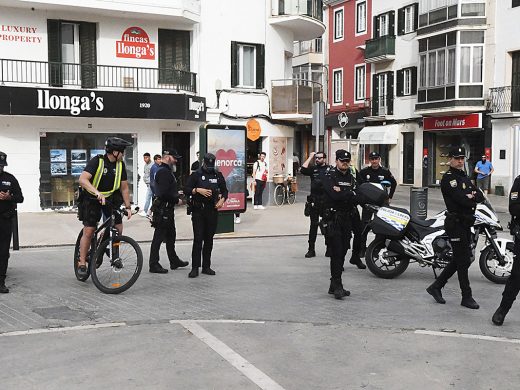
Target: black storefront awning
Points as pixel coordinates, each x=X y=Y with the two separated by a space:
x=351 y=122
x=100 y=104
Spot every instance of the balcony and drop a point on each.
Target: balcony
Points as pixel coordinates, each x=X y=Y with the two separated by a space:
x=308 y=52
x=380 y=49
x=292 y=99
x=303 y=17
x=380 y=107
x=504 y=100
x=107 y=77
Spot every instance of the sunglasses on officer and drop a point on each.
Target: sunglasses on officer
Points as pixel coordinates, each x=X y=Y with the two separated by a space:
x=319 y=157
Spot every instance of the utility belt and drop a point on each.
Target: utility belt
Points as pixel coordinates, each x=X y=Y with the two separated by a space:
x=197 y=205
x=163 y=213
x=8 y=214
x=514 y=227
x=313 y=203
x=466 y=220
x=335 y=221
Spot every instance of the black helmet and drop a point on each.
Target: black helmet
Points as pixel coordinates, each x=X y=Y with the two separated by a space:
x=115 y=143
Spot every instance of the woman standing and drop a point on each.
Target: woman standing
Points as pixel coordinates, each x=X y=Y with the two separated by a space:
x=260 y=177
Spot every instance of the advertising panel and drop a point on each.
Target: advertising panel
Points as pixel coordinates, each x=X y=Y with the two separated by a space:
x=228 y=144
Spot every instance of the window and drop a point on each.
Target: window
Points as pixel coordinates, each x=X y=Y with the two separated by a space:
x=338 y=24
x=247 y=65
x=384 y=24
x=473 y=9
x=361 y=17
x=423 y=67
x=407 y=81
x=383 y=94
x=407 y=19
x=360 y=79
x=471 y=56
x=174 y=56
x=516 y=3
x=338 y=86
x=437 y=61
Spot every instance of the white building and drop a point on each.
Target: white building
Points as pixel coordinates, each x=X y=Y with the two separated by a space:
x=73 y=73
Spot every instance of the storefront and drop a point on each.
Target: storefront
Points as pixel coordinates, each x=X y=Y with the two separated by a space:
x=443 y=133
x=50 y=134
x=343 y=132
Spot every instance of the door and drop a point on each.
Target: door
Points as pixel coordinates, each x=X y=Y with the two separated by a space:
x=70 y=53
x=382 y=94
x=181 y=142
x=408 y=158
x=515 y=82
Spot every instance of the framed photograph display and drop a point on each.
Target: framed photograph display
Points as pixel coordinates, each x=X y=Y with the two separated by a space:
x=95 y=152
x=59 y=169
x=58 y=155
x=77 y=168
x=78 y=155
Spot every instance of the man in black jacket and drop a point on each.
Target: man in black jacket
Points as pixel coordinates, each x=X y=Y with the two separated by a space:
x=513 y=282
x=461 y=198
x=10 y=195
x=163 y=220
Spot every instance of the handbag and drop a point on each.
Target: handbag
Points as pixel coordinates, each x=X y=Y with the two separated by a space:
x=264 y=175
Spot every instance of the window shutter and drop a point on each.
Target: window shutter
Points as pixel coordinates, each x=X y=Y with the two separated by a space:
x=87 y=41
x=414 y=80
x=415 y=16
x=391 y=24
x=390 y=92
x=375 y=94
x=165 y=57
x=260 y=66
x=234 y=64
x=400 y=82
x=376 y=27
x=400 y=21
x=54 y=39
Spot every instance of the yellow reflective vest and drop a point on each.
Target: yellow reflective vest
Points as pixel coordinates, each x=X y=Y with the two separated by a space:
x=99 y=173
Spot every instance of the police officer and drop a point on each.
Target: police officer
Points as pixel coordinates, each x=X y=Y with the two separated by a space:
x=315 y=199
x=461 y=198
x=208 y=192
x=339 y=203
x=513 y=282
x=163 y=220
x=105 y=182
x=10 y=194
x=374 y=173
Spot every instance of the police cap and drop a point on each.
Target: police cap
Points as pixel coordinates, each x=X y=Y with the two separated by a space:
x=457 y=151
x=3 y=159
x=171 y=152
x=342 y=155
x=209 y=160
x=374 y=155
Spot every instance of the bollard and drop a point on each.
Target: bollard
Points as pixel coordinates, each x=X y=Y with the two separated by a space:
x=419 y=202
x=16 y=238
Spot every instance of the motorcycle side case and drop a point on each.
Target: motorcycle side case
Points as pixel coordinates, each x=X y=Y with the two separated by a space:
x=372 y=193
x=390 y=222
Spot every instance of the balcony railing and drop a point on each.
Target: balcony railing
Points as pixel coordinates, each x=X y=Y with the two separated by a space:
x=305 y=47
x=56 y=74
x=380 y=49
x=311 y=8
x=293 y=96
x=504 y=99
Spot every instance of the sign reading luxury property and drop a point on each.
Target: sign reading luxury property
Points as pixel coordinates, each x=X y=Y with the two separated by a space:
x=102 y=104
x=19 y=34
x=135 y=43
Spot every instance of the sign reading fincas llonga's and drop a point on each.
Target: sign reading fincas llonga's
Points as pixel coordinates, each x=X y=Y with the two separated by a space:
x=135 y=43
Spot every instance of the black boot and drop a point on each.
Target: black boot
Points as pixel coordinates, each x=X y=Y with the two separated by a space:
x=356 y=260
x=435 y=291
x=177 y=262
x=193 y=273
x=346 y=293
x=338 y=288
x=310 y=253
x=469 y=302
x=3 y=289
x=499 y=316
x=208 y=271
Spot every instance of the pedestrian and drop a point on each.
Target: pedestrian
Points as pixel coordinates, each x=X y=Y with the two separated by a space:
x=146 y=178
x=374 y=173
x=461 y=198
x=260 y=176
x=153 y=170
x=513 y=282
x=296 y=163
x=357 y=228
x=339 y=203
x=196 y=163
x=237 y=214
x=163 y=220
x=484 y=169
x=314 y=204
x=10 y=195
x=208 y=192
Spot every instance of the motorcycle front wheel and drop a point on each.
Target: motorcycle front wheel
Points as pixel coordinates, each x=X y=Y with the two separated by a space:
x=490 y=267
x=386 y=268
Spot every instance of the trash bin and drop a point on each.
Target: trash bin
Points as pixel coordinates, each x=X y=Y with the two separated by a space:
x=419 y=202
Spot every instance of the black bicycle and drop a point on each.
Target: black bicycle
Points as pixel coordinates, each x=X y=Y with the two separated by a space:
x=114 y=261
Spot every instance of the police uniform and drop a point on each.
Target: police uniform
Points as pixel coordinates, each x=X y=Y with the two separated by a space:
x=204 y=215
x=8 y=184
x=370 y=175
x=106 y=178
x=163 y=220
x=455 y=188
x=314 y=203
x=337 y=219
x=513 y=282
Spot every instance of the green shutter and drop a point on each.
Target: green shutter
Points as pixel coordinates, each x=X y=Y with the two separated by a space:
x=400 y=21
x=390 y=93
x=87 y=41
x=391 y=24
x=260 y=66
x=174 y=58
x=414 y=80
x=375 y=94
x=415 y=16
x=234 y=64
x=376 y=27
x=400 y=82
x=54 y=48
x=165 y=57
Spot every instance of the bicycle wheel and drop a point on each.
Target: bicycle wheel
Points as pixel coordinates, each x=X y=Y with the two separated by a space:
x=117 y=273
x=279 y=195
x=291 y=197
x=76 y=259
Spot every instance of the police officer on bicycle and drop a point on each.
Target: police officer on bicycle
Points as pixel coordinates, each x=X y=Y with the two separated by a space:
x=10 y=195
x=105 y=184
x=207 y=191
x=163 y=220
x=314 y=205
x=339 y=204
x=461 y=198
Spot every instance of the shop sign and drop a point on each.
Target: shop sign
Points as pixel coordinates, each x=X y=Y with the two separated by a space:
x=457 y=122
x=101 y=104
x=135 y=43
x=253 y=129
x=346 y=120
x=19 y=34
x=228 y=144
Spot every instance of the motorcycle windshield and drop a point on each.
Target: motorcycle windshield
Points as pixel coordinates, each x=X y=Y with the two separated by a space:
x=487 y=203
